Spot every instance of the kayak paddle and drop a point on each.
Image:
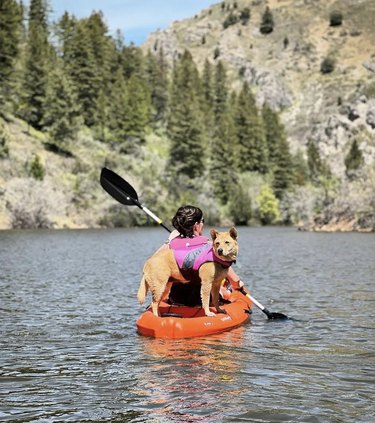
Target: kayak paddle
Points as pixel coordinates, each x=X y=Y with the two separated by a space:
x=125 y=194
x=271 y=315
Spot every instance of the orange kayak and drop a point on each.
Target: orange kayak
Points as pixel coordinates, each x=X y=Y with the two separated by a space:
x=178 y=321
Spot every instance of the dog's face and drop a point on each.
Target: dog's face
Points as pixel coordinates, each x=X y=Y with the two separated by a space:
x=225 y=244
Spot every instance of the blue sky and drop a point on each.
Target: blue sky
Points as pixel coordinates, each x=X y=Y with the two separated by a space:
x=135 y=18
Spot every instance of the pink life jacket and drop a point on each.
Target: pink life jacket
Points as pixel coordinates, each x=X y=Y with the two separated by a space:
x=191 y=253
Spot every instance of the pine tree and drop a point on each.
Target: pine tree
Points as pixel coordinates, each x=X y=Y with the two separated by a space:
x=118 y=109
x=61 y=114
x=267 y=24
x=250 y=133
x=103 y=48
x=65 y=30
x=184 y=120
x=82 y=68
x=10 y=30
x=223 y=174
x=353 y=160
x=102 y=116
x=223 y=148
x=131 y=61
x=220 y=91
x=317 y=167
x=36 y=168
x=38 y=56
x=283 y=174
x=157 y=80
x=138 y=107
x=280 y=159
x=301 y=170
x=207 y=102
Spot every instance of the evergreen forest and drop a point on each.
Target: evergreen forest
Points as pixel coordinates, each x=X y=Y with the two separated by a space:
x=179 y=134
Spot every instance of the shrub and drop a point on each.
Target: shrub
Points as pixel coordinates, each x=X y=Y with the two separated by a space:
x=241 y=71
x=316 y=166
x=36 y=168
x=267 y=24
x=268 y=206
x=4 y=139
x=353 y=160
x=245 y=16
x=335 y=18
x=240 y=206
x=327 y=65
x=34 y=204
x=231 y=19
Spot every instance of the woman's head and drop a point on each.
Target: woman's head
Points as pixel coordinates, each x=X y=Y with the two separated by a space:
x=187 y=221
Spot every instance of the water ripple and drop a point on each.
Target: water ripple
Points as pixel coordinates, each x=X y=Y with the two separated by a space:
x=70 y=351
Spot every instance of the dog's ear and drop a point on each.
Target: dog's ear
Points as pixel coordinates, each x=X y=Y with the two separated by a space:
x=233 y=233
x=214 y=233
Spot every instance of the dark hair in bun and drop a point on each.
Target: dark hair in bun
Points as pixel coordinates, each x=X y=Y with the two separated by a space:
x=185 y=219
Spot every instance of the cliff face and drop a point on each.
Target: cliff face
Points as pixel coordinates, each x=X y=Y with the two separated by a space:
x=284 y=67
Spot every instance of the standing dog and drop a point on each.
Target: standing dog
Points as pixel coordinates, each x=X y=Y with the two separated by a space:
x=162 y=266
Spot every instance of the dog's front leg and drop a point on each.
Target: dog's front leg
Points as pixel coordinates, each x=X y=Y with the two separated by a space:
x=215 y=291
x=205 y=297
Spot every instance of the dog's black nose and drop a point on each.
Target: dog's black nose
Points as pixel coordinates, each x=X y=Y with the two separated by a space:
x=220 y=251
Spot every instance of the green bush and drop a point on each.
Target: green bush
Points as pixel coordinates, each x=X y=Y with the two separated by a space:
x=354 y=159
x=240 y=207
x=327 y=65
x=4 y=139
x=36 y=168
x=335 y=18
x=245 y=16
x=269 y=212
x=267 y=24
x=231 y=19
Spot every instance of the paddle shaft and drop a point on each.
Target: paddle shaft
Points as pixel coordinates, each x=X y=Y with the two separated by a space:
x=259 y=305
x=149 y=213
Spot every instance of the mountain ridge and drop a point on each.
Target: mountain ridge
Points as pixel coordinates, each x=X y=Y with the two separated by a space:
x=284 y=67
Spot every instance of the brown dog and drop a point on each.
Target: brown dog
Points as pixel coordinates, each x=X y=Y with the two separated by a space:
x=162 y=266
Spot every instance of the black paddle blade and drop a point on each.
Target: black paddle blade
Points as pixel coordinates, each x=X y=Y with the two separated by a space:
x=118 y=188
x=274 y=316
x=280 y=316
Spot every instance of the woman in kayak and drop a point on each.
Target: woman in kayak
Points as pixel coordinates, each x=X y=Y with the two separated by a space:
x=188 y=223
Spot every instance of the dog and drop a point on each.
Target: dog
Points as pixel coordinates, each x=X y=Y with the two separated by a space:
x=162 y=266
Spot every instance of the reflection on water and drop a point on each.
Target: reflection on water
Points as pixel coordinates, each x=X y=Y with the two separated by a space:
x=187 y=377
x=70 y=351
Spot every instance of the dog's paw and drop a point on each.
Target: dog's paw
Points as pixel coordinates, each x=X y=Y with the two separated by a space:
x=210 y=314
x=222 y=311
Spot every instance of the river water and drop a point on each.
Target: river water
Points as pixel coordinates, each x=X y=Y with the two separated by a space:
x=69 y=350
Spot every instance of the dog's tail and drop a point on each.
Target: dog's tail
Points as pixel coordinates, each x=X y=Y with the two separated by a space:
x=142 y=291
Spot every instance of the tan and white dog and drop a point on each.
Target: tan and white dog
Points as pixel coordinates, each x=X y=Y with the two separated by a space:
x=162 y=266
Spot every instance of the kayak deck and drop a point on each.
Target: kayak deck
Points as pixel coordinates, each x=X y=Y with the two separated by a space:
x=178 y=321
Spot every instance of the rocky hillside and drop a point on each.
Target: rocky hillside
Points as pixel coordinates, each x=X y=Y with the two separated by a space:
x=284 y=67
x=312 y=61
